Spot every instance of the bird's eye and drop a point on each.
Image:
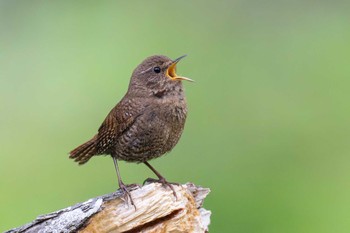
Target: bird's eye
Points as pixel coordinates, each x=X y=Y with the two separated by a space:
x=156 y=69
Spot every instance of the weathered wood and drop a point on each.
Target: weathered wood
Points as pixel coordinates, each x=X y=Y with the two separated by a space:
x=157 y=210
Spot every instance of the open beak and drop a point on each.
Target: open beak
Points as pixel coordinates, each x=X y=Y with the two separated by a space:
x=171 y=71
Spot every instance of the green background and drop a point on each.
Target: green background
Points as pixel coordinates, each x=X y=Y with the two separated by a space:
x=268 y=128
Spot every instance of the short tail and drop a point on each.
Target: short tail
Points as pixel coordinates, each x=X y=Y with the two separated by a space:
x=84 y=152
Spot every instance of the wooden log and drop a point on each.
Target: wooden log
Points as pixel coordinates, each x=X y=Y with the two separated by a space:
x=157 y=210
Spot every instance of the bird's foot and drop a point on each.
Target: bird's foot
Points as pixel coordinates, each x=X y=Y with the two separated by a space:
x=164 y=182
x=133 y=186
x=126 y=196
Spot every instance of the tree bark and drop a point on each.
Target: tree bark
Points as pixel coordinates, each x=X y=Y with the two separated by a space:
x=157 y=210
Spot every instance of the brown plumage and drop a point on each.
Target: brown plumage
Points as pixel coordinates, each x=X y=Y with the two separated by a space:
x=146 y=123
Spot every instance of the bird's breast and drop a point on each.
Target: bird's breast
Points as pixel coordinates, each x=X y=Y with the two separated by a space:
x=155 y=132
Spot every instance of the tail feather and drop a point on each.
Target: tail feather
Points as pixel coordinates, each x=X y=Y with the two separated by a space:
x=84 y=152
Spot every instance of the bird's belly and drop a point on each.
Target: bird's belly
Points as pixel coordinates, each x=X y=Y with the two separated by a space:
x=148 y=138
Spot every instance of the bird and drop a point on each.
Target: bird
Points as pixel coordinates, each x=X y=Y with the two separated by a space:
x=147 y=122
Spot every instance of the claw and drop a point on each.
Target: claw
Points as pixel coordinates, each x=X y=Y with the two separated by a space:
x=164 y=183
x=126 y=194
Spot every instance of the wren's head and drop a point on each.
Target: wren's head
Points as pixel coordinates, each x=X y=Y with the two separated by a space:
x=154 y=75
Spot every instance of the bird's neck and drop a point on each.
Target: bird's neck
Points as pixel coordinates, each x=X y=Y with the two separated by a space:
x=158 y=91
x=175 y=91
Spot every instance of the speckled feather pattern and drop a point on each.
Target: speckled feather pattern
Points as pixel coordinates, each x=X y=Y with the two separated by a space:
x=155 y=129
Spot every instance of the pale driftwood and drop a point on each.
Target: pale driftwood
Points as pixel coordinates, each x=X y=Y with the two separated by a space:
x=157 y=210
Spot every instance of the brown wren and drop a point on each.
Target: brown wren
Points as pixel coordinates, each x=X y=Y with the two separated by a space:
x=146 y=123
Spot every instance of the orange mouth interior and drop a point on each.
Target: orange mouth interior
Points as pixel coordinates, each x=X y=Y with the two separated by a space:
x=171 y=71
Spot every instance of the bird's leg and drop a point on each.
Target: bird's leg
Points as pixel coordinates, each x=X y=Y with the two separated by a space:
x=122 y=186
x=161 y=179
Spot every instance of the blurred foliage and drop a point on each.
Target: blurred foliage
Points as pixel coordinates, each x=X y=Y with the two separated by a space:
x=268 y=128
